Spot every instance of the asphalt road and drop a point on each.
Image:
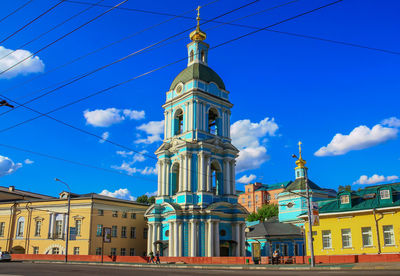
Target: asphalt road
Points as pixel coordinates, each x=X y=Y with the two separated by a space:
x=32 y=269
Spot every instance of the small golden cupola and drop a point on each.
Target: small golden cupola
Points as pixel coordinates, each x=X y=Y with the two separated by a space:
x=197 y=34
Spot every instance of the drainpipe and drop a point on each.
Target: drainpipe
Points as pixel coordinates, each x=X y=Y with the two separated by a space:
x=377 y=230
x=11 y=226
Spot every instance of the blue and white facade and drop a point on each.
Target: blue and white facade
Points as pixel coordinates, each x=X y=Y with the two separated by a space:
x=196 y=211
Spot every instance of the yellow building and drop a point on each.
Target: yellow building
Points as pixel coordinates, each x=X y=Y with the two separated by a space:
x=38 y=225
x=362 y=222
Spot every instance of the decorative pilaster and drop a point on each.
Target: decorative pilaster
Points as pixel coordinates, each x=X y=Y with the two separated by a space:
x=189 y=166
x=193 y=236
x=208 y=173
x=232 y=177
x=237 y=239
x=217 y=243
x=170 y=239
x=150 y=239
x=210 y=239
x=167 y=176
x=243 y=240
x=159 y=164
x=176 y=239
x=181 y=172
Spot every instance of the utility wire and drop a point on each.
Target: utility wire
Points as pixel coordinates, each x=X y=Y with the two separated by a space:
x=139 y=76
x=30 y=22
x=254 y=27
x=74 y=162
x=93 y=52
x=52 y=29
x=63 y=36
x=79 y=77
x=16 y=10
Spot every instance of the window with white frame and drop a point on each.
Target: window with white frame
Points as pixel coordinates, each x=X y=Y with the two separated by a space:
x=115 y=214
x=249 y=204
x=99 y=230
x=385 y=194
x=123 y=232
x=98 y=250
x=366 y=233
x=76 y=250
x=78 y=226
x=2 y=227
x=100 y=212
x=388 y=235
x=36 y=250
x=132 y=252
x=20 y=227
x=133 y=232
x=123 y=251
x=55 y=251
x=114 y=231
x=59 y=227
x=344 y=199
x=346 y=238
x=326 y=239
x=38 y=227
x=256 y=198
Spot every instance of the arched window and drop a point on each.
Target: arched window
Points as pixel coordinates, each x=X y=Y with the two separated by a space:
x=175 y=178
x=212 y=121
x=202 y=56
x=20 y=227
x=216 y=178
x=191 y=56
x=178 y=122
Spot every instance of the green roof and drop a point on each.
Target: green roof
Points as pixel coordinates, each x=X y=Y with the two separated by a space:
x=365 y=199
x=300 y=184
x=198 y=71
x=268 y=187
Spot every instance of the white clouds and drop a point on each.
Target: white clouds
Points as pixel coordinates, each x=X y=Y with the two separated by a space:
x=246 y=137
x=110 y=116
x=129 y=169
x=359 y=138
x=364 y=179
x=104 y=137
x=246 y=179
x=136 y=156
x=31 y=65
x=7 y=166
x=28 y=161
x=391 y=122
x=153 y=129
x=151 y=194
x=120 y=193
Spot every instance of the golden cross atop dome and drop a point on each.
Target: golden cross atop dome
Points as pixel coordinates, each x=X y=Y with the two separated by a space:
x=300 y=162
x=300 y=143
x=197 y=34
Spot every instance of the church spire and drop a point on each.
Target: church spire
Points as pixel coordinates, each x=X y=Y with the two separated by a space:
x=301 y=164
x=197 y=34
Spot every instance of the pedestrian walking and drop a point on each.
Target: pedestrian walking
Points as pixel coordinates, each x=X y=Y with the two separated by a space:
x=151 y=255
x=158 y=257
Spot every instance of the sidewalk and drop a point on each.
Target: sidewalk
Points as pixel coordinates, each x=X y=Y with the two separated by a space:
x=356 y=266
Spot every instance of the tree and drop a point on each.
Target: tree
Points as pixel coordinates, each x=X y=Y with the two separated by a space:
x=143 y=199
x=345 y=188
x=265 y=212
x=268 y=211
x=152 y=200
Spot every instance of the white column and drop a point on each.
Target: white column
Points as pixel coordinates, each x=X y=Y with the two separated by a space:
x=229 y=124
x=237 y=239
x=159 y=178
x=170 y=240
x=165 y=124
x=193 y=239
x=205 y=238
x=167 y=176
x=180 y=244
x=150 y=239
x=180 y=174
x=154 y=238
x=190 y=116
x=189 y=171
x=205 y=123
x=226 y=176
x=243 y=240
x=209 y=173
x=185 y=170
x=217 y=245
x=176 y=239
x=210 y=239
x=233 y=184
x=199 y=172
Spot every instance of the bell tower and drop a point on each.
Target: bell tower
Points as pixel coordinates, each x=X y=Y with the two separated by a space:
x=196 y=197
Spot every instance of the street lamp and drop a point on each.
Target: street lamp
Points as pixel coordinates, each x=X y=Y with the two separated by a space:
x=68 y=213
x=308 y=197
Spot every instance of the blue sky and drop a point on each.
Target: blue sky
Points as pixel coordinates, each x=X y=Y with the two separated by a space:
x=340 y=101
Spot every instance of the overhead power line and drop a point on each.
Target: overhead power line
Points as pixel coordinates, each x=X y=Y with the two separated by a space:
x=63 y=36
x=52 y=29
x=30 y=22
x=95 y=51
x=74 y=162
x=81 y=76
x=139 y=76
x=254 y=27
x=16 y=10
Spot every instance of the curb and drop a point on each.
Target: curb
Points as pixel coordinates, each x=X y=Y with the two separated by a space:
x=228 y=267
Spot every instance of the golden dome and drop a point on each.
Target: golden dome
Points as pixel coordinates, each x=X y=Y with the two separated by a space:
x=197 y=34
